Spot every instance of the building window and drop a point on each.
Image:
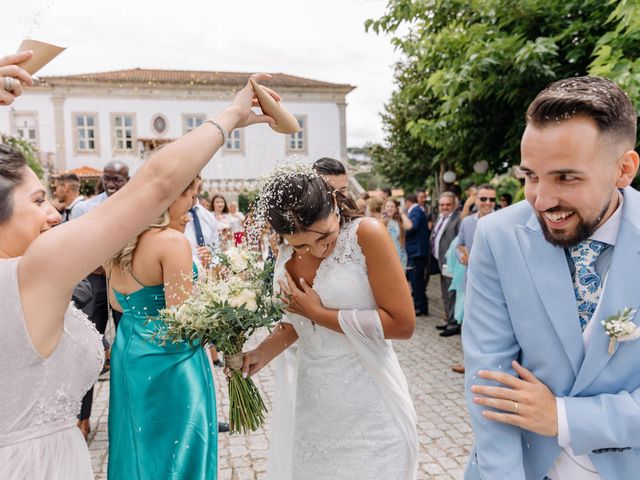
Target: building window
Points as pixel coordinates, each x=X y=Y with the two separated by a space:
x=191 y=121
x=297 y=142
x=160 y=124
x=124 y=132
x=234 y=142
x=85 y=132
x=26 y=126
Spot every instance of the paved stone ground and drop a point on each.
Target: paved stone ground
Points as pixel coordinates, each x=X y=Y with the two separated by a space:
x=444 y=431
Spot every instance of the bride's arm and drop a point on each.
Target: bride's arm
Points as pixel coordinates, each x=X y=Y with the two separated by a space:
x=387 y=280
x=283 y=336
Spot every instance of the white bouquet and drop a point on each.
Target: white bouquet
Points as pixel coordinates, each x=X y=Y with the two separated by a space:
x=225 y=310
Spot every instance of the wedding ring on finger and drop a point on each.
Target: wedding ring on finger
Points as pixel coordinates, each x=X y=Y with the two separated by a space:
x=9 y=84
x=515 y=408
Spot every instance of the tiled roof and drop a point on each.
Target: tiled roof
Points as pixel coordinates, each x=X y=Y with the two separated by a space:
x=85 y=171
x=152 y=77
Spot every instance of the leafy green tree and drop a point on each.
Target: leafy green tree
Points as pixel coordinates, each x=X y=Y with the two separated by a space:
x=28 y=150
x=470 y=68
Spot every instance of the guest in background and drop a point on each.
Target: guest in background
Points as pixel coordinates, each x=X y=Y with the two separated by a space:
x=221 y=213
x=202 y=233
x=374 y=208
x=237 y=218
x=115 y=175
x=386 y=194
x=417 y=245
x=203 y=200
x=485 y=202
x=469 y=207
x=397 y=224
x=361 y=205
x=505 y=200
x=66 y=190
x=445 y=230
x=333 y=172
x=422 y=196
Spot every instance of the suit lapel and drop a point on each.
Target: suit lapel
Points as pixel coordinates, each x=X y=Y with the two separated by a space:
x=621 y=290
x=552 y=279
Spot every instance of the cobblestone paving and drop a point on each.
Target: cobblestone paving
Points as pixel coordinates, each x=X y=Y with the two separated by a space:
x=444 y=431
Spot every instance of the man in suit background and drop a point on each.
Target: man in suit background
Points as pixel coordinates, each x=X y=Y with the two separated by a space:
x=547 y=396
x=445 y=230
x=417 y=246
x=66 y=190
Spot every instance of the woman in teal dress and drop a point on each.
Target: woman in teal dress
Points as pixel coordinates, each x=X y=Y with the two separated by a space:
x=397 y=222
x=162 y=412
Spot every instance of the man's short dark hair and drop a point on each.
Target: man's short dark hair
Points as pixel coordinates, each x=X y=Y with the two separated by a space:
x=387 y=191
x=329 y=166
x=597 y=98
x=68 y=178
x=486 y=186
x=413 y=198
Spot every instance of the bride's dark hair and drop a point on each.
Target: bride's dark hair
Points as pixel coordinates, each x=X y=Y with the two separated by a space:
x=303 y=200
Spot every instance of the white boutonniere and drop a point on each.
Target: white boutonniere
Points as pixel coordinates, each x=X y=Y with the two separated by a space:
x=621 y=328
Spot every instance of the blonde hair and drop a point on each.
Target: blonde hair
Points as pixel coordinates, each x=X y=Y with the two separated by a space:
x=375 y=204
x=123 y=259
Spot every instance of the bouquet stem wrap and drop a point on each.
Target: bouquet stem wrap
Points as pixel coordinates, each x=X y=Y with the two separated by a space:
x=246 y=408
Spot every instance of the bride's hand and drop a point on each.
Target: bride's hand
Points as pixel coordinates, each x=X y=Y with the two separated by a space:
x=305 y=302
x=245 y=99
x=253 y=362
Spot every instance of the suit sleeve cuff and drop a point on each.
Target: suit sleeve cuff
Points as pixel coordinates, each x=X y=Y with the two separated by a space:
x=564 y=436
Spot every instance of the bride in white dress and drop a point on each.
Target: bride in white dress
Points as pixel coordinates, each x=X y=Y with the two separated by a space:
x=342 y=409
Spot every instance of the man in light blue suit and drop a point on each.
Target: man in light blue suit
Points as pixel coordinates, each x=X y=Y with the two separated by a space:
x=546 y=396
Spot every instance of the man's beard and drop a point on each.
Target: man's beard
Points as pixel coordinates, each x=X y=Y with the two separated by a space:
x=583 y=230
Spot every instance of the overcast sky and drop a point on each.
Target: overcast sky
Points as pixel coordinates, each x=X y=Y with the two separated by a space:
x=319 y=39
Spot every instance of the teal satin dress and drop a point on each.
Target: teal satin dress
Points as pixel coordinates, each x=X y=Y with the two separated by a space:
x=162 y=410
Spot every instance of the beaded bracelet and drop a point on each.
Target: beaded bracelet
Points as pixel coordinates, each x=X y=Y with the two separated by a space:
x=223 y=132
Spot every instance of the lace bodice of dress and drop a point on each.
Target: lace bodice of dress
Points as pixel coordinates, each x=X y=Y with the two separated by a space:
x=40 y=394
x=342 y=283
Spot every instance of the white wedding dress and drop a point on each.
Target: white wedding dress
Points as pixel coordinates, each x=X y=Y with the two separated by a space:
x=342 y=409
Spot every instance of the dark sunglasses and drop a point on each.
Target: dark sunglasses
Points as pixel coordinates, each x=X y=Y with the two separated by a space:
x=487 y=199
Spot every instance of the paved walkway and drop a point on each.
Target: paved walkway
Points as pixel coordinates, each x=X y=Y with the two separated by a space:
x=444 y=432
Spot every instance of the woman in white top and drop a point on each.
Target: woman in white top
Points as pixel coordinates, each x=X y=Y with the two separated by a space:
x=50 y=354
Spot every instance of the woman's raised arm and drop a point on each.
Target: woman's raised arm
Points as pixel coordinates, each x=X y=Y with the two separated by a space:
x=59 y=258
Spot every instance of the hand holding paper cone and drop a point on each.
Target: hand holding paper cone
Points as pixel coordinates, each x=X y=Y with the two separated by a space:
x=43 y=53
x=285 y=122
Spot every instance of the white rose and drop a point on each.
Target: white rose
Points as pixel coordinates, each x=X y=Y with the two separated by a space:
x=238 y=264
x=244 y=297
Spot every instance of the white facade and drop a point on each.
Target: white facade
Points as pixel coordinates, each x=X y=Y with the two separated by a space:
x=74 y=123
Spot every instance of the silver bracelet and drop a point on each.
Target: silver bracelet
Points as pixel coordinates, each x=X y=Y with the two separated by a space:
x=223 y=132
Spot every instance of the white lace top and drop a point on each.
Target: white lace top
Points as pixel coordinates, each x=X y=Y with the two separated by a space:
x=41 y=396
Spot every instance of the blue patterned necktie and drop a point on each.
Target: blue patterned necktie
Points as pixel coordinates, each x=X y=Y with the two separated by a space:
x=587 y=284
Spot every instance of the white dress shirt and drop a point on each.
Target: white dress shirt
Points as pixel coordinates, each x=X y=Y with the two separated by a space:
x=439 y=228
x=569 y=466
x=85 y=206
x=209 y=226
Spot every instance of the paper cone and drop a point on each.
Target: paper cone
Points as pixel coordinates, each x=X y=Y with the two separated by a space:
x=285 y=122
x=43 y=53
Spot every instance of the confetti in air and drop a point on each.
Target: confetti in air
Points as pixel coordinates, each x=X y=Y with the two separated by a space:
x=272 y=190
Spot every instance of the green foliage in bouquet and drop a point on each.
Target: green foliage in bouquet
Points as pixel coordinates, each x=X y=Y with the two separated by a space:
x=225 y=310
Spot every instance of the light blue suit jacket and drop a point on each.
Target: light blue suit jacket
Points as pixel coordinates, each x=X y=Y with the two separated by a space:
x=520 y=305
